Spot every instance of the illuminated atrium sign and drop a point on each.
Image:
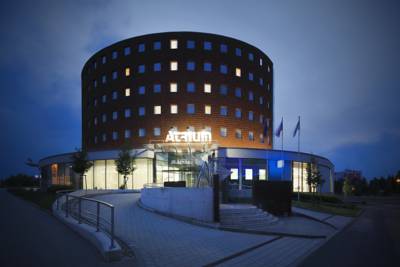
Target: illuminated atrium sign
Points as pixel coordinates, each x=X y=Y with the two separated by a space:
x=188 y=137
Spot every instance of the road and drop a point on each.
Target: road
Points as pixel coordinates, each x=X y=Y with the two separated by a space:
x=32 y=237
x=373 y=239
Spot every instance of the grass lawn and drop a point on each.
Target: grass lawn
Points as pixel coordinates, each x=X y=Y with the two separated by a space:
x=340 y=209
x=42 y=199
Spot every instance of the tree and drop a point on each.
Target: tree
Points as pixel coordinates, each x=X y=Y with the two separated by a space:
x=124 y=164
x=347 y=188
x=80 y=163
x=314 y=177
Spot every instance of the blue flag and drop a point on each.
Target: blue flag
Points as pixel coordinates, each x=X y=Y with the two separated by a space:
x=297 y=128
x=279 y=129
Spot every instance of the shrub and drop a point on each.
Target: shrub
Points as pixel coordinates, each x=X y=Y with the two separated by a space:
x=323 y=198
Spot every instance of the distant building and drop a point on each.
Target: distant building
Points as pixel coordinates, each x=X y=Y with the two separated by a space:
x=347 y=173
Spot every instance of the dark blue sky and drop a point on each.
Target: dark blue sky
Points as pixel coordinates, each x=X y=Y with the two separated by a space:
x=336 y=65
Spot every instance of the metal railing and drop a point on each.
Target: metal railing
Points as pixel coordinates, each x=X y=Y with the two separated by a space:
x=72 y=206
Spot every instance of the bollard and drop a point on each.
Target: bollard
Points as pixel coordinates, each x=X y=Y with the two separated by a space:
x=66 y=206
x=79 y=210
x=112 y=227
x=97 y=217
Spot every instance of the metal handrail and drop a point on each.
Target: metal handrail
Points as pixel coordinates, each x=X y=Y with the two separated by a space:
x=78 y=214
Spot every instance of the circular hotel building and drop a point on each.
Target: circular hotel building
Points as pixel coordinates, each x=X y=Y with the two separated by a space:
x=186 y=104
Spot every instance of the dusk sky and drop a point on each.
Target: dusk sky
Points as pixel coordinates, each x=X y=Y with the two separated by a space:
x=336 y=64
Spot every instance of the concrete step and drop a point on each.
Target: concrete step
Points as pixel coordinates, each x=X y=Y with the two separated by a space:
x=249 y=217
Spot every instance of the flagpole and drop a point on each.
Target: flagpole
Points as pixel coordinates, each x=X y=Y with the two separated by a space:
x=283 y=162
x=298 y=156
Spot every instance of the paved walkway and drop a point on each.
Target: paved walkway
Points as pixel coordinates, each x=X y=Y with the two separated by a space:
x=161 y=241
x=32 y=237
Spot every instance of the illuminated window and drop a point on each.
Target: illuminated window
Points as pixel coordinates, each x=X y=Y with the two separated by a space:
x=261 y=138
x=95 y=120
x=238 y=52
x=251 y=136
x=173 y=44
x=142 y=111
x=157 y=88
x=251 y=56
x=115 y=115
x=207 y=66
x=261 y=100
x=223 y=89
x=223 y=131
x=223 y=111
x=114 y=75
x=251 y=115
x=207 y=129
x=207 y=45
x=104 y=60
x=141 y=68
x=223 y=69
x=261 y=62
x=127 y=133
x=174 y=109
x=207 y=109
x=261 y=81
x=104 y=117
x=104 y=79
x=104 y=137
x=268 y=69
x=127 y=51
x=238 y=113
x=127 y=72
x=238 y=72
x=173 y=87
x=95 y=102
x=190 y=109
x=157 y=131
x=142 y=132
x=207 y=88
x=127 y=91
x=251 y=76
x=262 y=174
x=114 y=55
x=238 y=134
x=157 y=110
x=114 y=95
x=190 y=65
x=104 y=98
x=95 y=140
x=223 y=48
x=238 y=92
x=261 y=119
x=190 y=87
x=234 y=174
x=141 y=48
x=248 y=174
x=127 y=113
x=173 y=65
x=251 y=96
x=157 y=66
x=114 y=136
x=157 y=45
x=190 y=44
x=142 y=90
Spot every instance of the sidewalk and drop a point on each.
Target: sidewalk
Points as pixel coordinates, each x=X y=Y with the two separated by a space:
x=161 y=241
x=336 y=221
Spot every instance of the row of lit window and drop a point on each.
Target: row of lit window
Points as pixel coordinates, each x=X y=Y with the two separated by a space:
x=190 y=88
x=190 y=109
x=223 y=132
x=174 y=45
x=173 y=66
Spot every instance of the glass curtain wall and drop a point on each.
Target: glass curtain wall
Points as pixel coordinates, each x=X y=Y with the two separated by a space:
x=300 y=177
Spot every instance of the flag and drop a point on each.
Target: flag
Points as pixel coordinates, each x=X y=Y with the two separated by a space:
x=297 y=128
x=280 y=129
